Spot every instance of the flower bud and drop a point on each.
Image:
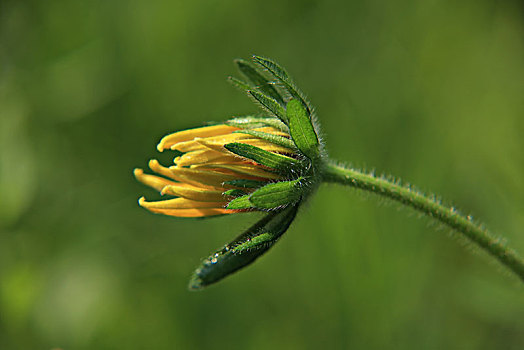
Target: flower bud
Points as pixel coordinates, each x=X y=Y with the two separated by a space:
x=267 y=163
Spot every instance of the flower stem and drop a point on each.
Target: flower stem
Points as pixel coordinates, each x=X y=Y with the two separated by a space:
x=429 y=206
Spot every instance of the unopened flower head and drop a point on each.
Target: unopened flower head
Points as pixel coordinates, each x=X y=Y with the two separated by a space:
x=255 y=163
x=207 y=177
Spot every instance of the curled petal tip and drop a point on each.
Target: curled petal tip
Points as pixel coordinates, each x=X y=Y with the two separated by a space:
x=160 y=147
x=137 y=172
x=141 y=201
x=153 y=163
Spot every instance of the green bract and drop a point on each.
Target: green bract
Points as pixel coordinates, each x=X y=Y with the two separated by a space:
x=287 y=110
x=280 y=163
x=245 y=249
x=302 y=130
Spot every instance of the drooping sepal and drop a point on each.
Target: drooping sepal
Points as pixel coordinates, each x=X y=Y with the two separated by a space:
x=245 y=249
x=301 y=129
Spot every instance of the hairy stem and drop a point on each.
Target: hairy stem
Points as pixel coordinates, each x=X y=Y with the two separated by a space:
x=429 y=206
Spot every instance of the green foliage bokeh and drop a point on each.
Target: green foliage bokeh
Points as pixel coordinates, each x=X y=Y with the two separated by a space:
x=429 y=91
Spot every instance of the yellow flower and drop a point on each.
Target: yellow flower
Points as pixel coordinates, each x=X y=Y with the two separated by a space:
x=270 y=163
x=206 y=177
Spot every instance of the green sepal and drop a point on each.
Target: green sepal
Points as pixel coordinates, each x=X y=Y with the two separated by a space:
x=276 y=139
x=242 y=85
x=270 y=104
x=258 y=80
x=234 y=193
x=250 y=122
x=301 y=129
x=240 y=203
x=245 y=183
x=254 y=243
x=283 y=77
x=267 y=102
x=245 y=249
x=280 y=163
x=277 y=194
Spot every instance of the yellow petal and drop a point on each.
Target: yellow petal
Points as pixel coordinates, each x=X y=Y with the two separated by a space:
x=264 y=144
x=156 y=182
x=273 y=131
x=219 y=146
x=186 y=135
x=267 y=146
x=162 y=170
x=240 y=168
x=199 y=178
x=194 y=145
x=180 y=203
x=204 y=156
x=194 y=193
x=194 y=213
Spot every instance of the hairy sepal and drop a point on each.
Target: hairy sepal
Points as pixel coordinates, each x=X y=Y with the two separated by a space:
x=276 y=195
x=245 y=249
x=242 y=202
x=250 y=122
x=284 y=79
x=276 y=139
x=301 y=129
x=269 y=104
x=258 y=80
x=282 y=164
x=244 y=183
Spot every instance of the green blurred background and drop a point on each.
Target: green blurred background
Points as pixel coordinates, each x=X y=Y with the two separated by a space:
x=429 y=91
